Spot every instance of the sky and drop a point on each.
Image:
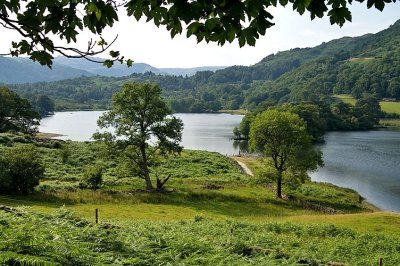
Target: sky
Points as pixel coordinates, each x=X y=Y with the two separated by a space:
x=144 y=42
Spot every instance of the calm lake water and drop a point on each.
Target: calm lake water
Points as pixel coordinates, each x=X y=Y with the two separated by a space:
x=211 y=132
x=368 y=162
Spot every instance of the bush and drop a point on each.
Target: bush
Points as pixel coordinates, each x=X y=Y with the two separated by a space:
x=93 y=177
x=20 y=170
x=65 y=153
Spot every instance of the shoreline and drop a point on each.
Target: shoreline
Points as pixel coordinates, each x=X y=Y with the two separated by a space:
x=45 y=135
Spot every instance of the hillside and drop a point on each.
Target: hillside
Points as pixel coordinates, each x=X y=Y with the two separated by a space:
x=22 y=70
x=120 y=70
x=117 y=70
x=369 y=63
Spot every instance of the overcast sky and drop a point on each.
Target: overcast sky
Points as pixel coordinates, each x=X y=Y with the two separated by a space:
x=144 y=42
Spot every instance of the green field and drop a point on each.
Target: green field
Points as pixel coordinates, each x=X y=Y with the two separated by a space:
x=390 y=122
x=235 y=112
x=212 y=214
x=388 y=107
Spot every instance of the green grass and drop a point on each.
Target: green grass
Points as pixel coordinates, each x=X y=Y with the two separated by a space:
x=235 y=112
x=212 y=214
x=375 y=222
x=390 y=107
x=361 y=59
x=194 y=177
x=62 y=239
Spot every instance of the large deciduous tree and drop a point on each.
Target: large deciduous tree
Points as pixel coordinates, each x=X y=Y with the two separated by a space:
x=16 y=113
x=43 y=23
x=368 y=111
x=20 y=170
x=282 y=138
x=144 y=128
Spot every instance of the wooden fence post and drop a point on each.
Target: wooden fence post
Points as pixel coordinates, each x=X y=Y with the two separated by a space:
x=380 y=261
x=96 y=213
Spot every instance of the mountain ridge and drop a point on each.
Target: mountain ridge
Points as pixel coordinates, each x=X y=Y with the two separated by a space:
x=17 y=70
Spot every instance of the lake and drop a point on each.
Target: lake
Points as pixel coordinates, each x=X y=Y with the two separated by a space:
x=211 y=132
x=366 y=161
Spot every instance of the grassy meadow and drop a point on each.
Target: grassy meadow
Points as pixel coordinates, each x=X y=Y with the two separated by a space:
x=211 y=214
x=388 y=107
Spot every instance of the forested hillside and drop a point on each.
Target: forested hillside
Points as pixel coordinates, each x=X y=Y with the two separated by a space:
x=370 y=63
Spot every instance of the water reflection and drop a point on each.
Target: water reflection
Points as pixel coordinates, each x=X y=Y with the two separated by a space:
x=367 y=162
x=242 y=146
x=211 y=132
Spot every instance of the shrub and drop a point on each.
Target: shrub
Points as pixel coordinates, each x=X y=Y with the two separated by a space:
x=20 y=170
x=56 y=144
x=93 y=177
x=65 y=153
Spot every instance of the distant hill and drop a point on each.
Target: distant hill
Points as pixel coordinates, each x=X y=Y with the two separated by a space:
x=22 y=70
x=351 y=65
x=120 y=70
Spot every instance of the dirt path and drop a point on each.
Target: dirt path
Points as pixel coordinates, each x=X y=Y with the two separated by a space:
x=244 y=167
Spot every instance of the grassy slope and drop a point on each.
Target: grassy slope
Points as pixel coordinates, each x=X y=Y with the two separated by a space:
x=388 y=107
x=391 y=107
x=192 y=224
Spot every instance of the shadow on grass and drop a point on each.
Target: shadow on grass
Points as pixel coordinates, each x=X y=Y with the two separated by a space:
x=36 y=199
x=232 y=202
x=203 y=201
x=221 y=203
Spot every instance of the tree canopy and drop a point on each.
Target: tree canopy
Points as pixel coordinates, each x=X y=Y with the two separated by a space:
x=143 y=127
x=16 y=113
x=20 y=169
x=43 y=23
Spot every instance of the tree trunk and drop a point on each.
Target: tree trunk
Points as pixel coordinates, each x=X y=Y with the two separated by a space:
x=161 y=183
x=279 y=185
x=145 y=168
x=149 y=186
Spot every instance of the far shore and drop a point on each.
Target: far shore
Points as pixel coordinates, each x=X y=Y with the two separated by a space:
x=44 y=135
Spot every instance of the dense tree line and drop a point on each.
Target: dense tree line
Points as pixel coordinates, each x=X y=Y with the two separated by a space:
x=325 y=114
